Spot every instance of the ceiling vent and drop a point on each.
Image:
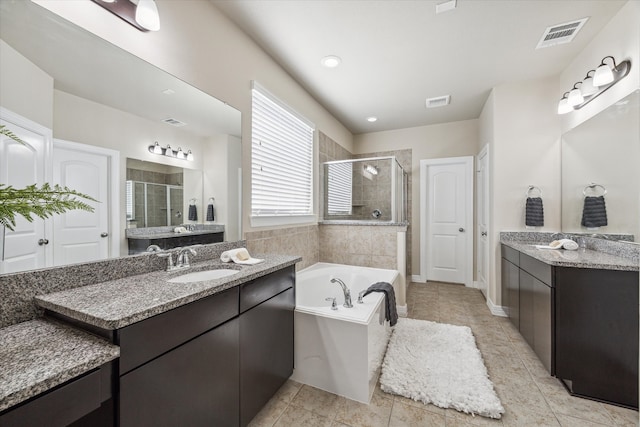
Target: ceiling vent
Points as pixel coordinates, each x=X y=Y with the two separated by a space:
x=174 y=122
x=561 y=33
x=439 y=101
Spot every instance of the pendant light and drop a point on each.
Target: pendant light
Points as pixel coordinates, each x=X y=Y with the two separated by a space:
x=147 y=15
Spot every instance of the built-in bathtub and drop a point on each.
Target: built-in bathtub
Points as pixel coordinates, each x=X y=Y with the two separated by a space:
x=340 y=351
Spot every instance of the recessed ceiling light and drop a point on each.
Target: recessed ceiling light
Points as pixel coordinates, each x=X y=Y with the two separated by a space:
x=331 y=61
x=372 y=119
x=445 y=6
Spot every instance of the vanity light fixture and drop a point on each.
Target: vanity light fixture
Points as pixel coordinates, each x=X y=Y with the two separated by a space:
x=142 y=14
x=575 y=96
x=156 y=148
x=592 y=86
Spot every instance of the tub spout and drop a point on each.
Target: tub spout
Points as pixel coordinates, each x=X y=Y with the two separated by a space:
x=347 y=292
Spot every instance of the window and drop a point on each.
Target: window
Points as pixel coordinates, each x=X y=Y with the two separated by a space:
x=281 y=159
x=339 y=184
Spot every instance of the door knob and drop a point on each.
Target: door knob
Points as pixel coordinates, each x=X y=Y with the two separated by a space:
x=104 y=234
x=43 y=242
x=461 y=229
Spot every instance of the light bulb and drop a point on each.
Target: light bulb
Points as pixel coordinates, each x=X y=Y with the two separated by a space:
x=147 y=15
x=575 y=97
x=190 y=156
x=180 y=154
x=603 y=75
x=155 y=148
x=168 y=152
x=564 y=107
x=588 y=88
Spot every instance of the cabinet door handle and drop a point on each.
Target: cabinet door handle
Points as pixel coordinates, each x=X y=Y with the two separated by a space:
x=104 y=234
x=43 y=242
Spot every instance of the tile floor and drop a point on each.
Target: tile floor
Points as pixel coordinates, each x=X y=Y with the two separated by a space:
x=529 y=395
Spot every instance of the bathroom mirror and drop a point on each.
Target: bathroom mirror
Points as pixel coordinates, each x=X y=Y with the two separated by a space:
x=605 y=151
x=106 y=97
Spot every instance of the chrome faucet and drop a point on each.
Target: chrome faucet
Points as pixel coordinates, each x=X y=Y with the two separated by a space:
x=361 y=296
x=182 y=260
x=183 y=257
x=347 y=293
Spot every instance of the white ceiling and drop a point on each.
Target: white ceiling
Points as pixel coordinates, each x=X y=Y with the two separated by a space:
x=395 y=54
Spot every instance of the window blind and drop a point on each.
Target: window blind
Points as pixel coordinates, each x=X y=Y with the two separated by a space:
x=281 y=159
x=129 y=200
x=339 y=186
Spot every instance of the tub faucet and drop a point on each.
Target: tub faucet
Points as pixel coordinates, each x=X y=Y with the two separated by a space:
x=347 y=293
x=360 y=296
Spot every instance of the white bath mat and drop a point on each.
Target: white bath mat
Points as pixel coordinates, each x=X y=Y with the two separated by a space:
x=439 y=364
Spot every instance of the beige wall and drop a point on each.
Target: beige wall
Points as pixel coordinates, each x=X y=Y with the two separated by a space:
x=199 y=45
x=300 y=241
x=34 y=99
x=523 y=130
x=426 y=142
x=620 y=38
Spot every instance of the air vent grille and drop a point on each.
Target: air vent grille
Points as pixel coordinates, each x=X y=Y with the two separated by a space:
x=561 y=33
x=174 y=122
x=439 y=101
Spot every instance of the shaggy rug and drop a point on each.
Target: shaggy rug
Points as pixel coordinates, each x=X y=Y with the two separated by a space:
x=439 y=364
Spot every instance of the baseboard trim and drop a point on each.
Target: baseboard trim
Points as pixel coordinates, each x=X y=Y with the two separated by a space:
x=402 y=310
x=496 y=310
x=417 y=279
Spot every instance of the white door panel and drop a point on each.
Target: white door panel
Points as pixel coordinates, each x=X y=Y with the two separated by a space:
x=20 y=166
x=448 y=198
x=78 y=234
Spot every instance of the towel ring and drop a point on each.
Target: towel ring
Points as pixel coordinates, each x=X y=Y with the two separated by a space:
x=592 y=186
x=533 y=188
x=211 y=199
x=192 y=201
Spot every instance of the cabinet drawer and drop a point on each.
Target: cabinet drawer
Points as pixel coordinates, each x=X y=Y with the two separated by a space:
x=59 y=407
x=152 y=337
x=261 y=289
x=511 y=255
x=537 y=269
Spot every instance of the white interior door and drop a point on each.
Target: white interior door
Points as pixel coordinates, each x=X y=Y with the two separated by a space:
x=26 y=247
x=81 y=236
x=482 y=252
x=447 y=222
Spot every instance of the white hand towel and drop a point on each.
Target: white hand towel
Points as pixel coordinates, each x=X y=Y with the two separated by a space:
x=567 y=244
x=239 y=256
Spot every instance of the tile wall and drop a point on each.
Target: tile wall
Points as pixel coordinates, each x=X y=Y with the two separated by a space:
x=299 y=241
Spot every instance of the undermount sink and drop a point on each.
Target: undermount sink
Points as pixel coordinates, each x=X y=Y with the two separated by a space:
x=201 y=276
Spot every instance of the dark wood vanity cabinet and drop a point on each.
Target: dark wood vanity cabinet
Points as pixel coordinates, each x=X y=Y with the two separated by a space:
x=582 y=323
x=213 y=362
x=597 y=333
x=266 y=340
x=86 y=401
x=527 y=291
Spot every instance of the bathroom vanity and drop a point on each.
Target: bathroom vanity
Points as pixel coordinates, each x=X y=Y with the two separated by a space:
x=200 y=353
x=579 y=313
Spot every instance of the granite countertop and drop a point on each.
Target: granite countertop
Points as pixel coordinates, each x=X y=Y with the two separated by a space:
x=578 y=259
x=40 y=354
x=119 y=303
x=171 y=234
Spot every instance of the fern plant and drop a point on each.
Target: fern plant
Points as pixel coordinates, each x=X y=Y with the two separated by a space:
x=42 y=201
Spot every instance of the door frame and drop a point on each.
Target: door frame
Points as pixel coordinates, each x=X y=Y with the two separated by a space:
x=484 y=152
x=467 y=161
x=113 y=166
